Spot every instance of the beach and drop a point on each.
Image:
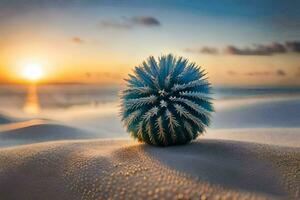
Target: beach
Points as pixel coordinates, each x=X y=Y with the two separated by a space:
x=149 y=100
x=83 y=152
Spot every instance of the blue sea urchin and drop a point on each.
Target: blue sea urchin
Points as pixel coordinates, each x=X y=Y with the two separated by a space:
x=166 y=102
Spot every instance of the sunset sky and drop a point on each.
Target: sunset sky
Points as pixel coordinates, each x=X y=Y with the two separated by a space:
x=240 y=44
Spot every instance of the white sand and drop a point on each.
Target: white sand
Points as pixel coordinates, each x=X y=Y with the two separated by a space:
x=117 y=169
x=34 y=131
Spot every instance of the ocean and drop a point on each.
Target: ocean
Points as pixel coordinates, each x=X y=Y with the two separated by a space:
x=62 y=96
x=94 y=107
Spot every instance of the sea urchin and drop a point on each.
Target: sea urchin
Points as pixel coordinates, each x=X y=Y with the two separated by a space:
x=166 y=101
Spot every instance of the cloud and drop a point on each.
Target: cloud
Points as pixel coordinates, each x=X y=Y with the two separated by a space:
x=298 y=73
x=145 y=21
x=254 y=50
x=107 y=75
x=231 y=73
x=257 y=49
x=77 y=40
x=130 y=23
x=280 y=72
x=204 y=50
x=115 y=25
x=274 y=47
x=293 y=46
x=88 y=74
x=258 y=73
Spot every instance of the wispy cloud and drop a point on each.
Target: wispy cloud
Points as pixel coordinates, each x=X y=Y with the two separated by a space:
x=113 y=24
x=231 y=73
x=293 y=46
x=279 y=72
x=145 y=21
x=298 y=72
x=77 y=40
x=254 y=50
x=258 y=73
x=257 y=49
x=204 y=50
x=130 y=23
x=108 y=75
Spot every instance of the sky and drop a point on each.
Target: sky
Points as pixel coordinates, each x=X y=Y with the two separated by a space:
x=239 y=43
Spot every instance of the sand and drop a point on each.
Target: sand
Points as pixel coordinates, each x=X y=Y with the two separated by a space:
x=121 y=169
x=35 y=131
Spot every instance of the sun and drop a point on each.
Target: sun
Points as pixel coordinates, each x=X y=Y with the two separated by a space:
x=32 y=71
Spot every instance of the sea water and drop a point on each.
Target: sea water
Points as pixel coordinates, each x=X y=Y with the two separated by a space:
x=95 y=107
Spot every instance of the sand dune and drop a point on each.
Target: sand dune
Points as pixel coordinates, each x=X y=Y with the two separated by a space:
x=120 y=169
x=34 y=131
x=5 y=119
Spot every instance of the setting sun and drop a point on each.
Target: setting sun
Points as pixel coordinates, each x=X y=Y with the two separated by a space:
x=32 y=71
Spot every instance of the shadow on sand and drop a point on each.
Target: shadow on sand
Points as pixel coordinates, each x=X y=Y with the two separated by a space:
x=229 y=164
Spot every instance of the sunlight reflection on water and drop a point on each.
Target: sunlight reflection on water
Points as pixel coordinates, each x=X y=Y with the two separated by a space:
x=32 y=105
